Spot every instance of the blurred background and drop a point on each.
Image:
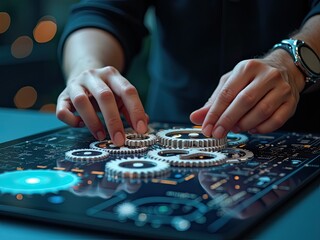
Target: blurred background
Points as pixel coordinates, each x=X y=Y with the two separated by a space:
x=30 y=74
x=29 y=70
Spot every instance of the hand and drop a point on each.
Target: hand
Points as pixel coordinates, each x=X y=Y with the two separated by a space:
x=258 y=95
x=102 y=90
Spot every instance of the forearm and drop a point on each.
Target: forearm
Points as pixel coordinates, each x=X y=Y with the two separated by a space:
x=310 y=33
x=91 y=48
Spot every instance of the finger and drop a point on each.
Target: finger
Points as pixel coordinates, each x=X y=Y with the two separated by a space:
x=261 y=111
x=65 y=111
x=109 y=108
x=85 y=109
x=278 y=118
x=130 y=97
x=237 y=81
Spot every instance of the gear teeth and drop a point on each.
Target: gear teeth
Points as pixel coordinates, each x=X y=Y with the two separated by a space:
x=140 y=140
x=188 y=158
x=189 y=138
x=136 y=168
x=108 y=146
x=86 y=155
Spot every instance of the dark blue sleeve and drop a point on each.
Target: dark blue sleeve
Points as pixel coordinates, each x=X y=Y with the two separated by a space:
x=315 y=9
x=123 y=19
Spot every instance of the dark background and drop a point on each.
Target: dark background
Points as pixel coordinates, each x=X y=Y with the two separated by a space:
x=41 y=72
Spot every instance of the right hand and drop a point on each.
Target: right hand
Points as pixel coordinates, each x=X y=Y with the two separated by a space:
x=105 y=90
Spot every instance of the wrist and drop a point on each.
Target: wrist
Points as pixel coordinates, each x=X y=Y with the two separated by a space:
x=280 y=58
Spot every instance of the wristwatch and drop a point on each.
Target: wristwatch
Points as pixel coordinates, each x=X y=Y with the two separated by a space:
x=304 y=57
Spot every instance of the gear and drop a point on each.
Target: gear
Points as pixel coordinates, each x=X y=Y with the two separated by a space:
x=108 y=146
x=237 y=155
x=140 y=140
x=189 y=138
x=188 y=157
x=37 y=181
x=136 y=168
x=86 y=155
x=236 y=139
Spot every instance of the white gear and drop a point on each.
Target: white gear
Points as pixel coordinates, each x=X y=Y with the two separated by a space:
x=189 y=138
x=188 y=157
x=134 y=168
x=108 y=146
x=86 y=155
x=237 y=155
x=140 y=140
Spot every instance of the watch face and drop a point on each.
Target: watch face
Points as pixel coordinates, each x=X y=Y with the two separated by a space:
x=310 y=59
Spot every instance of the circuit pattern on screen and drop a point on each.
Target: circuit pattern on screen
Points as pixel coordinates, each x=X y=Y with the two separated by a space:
x=172 y=180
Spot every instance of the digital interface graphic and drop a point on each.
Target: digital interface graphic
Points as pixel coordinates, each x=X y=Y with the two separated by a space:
x=172 y=182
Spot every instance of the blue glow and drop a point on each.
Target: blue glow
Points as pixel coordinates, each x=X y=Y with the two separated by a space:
x=36 y=181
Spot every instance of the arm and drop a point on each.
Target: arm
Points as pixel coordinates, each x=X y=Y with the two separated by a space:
x=91 y=58
x=258 y=95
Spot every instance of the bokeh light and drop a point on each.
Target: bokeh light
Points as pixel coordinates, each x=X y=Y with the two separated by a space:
x=50 y=107
x=45 y=30
x=5 y=21
x=25 y=97
x=22 y=47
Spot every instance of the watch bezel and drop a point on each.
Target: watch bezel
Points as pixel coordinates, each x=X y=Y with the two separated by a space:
x=293 y=47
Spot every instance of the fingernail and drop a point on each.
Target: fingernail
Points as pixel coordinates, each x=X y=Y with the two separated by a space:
x=141 y=127
x=219 y=132
x=207 y=130
x=118 y=139
x=100 y=135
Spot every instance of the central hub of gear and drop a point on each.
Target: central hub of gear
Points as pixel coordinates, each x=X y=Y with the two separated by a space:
x=190 y=138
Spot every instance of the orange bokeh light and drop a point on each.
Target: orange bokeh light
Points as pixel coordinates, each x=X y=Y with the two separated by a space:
x=25 y=97
x=22 y=47
x=5 y=21
x=45 y=30
x=50 y=107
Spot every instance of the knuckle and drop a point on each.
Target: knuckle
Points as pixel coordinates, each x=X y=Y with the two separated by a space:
x=112 y=122
x=249 y=65
x=105 y=95
x=129 y=90
x=109 y=70
x=61 y=114
x=80 y=99
x=265 y=109
x=247 y=98
x=227 y=95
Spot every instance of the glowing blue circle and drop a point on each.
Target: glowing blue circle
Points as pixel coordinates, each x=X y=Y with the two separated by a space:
x=36 y=181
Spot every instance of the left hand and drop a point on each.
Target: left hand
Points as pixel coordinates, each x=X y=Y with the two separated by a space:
x=258 y=95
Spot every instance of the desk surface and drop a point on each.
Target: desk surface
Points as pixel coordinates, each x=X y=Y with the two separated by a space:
x=298 y=219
